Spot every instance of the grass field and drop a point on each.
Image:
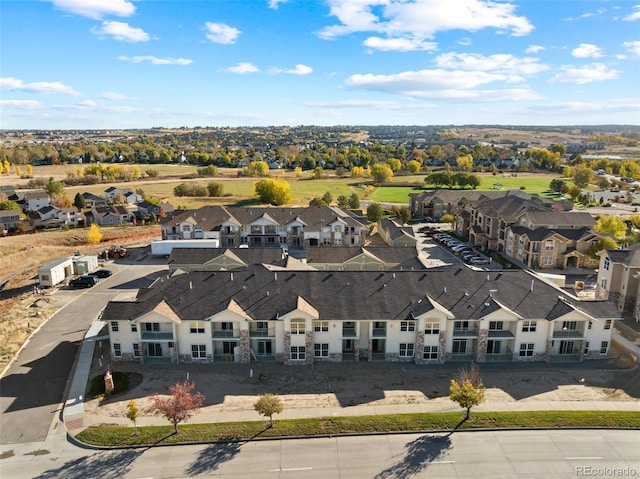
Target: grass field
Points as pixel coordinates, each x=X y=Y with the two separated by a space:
x=532 y=183
x=120 y=436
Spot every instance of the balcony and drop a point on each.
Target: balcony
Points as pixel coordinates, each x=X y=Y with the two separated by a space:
x=379 y=332
x=501 y=334
x=225 y=333
x=157 y=336
x=568 y=334
x=348 y=332
x=465 y=333
x=262 y=333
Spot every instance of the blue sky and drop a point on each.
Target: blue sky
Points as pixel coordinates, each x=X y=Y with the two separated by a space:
x=68 y=64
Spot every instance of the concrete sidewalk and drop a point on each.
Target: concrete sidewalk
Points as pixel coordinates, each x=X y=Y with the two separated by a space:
x=75 y=418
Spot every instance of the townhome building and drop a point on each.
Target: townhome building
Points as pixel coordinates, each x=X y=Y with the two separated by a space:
x=35 y=200
x=619 y=278
x=295 y=228
x=298 y=317
x=395 y=235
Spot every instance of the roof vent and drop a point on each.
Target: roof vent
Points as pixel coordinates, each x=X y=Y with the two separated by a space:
x=487 y=305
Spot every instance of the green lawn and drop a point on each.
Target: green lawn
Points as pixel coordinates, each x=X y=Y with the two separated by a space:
x=119 y=436
x=532 y=183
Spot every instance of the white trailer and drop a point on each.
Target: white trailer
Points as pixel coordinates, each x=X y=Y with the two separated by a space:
x=55 y=272
x=164 y=247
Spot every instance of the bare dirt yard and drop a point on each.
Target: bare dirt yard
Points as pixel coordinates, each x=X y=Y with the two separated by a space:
x=230 y=387
x=20 y=256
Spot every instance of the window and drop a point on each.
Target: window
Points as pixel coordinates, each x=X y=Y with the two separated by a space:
x=461 y=325
x=586 y=348
x=114 y=326
x=569 y=325
x=197 y=327
x=264 y=348
x=548 y=245
x=603 y=283
x=590 y=325
x=607 y=324
x=152 y=327
x=154 y=349
x=548 y=260
x=298 y=353
x=606 y=264
x=297 y=326
x=459 y=346
x=407 y=325
x=136 y=350
x=228 y=347
x=117 y=350
x=526 y=350
x=604 y=347
x=321 y=326
x=134 y=328
x=198 y=351
x=406 y=350
x=256 y=229
x=529 y=326
x=432 y=328
x=430 y=352
x=496 y=325
x=493 y=347
x=270 y=229
x=321 y=350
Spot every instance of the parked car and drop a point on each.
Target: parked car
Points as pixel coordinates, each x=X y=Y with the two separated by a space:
x=102 y=273
x=86 y=281
x=480 y=260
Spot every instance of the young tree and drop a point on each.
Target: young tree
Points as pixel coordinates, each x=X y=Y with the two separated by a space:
x=374 y=212
x=268 y=405
x=79 y=202
x=94 y=236
x=180 y=406
x=215 y=188
x=354 y=201
x=381 y=173
x=327 y=198
x=603 y=243
x=467 y=388
x=448 y=218
x=343 y=201
x=132 y=412
x=403 y=214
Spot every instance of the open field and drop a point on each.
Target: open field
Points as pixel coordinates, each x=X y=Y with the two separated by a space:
x=534 y=183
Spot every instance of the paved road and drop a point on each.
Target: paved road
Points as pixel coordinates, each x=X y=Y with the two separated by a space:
x=505 y=454
x=32 y=391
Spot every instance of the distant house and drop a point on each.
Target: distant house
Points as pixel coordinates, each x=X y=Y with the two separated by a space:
x=92 y=200
x=45 y=217
x=110 y=193
x=146 y=209
x=132 y=198
x=35 y=200
x=9 y=219
x=111 y=215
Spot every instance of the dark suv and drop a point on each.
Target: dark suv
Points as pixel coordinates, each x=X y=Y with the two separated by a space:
x=83 y=282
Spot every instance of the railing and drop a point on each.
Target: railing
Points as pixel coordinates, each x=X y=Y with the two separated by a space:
x=223 y=358
x=157 y=336
x=262 y=333
x=465 y=333
x=224 y=333
x=379 y=332
x=569 y=334
x=348 y=332
x=378 y=356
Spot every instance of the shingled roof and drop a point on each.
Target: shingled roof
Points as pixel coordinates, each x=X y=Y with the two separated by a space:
x=360 y=295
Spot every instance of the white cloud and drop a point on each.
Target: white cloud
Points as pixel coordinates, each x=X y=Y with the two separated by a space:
x=121 y=31
x=243 y=68
x=399 y=44
x=9 y=83
x=466 y=41
x=109 y=95
x=633 y=47
x=299 y=69
x=275 y=3
x=422 y=19
x=22 y=104
x=155 y=60
x=411 y=82
x=221 y=33
x=535 y=49
x=632 y=17
x=587 y=50
x=585 y=74
x=598 y=12
x=96 y=9
x=503 y=63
